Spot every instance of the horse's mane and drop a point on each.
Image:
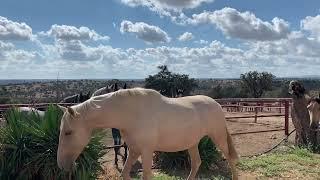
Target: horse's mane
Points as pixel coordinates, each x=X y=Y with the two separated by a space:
x=90 y=104
x=82 y=108
x=135 y=92
x=315 y=99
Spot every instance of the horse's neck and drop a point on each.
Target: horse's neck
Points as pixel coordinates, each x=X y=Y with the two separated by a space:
x=104 y=114
x=298 y=101
x=300 y=106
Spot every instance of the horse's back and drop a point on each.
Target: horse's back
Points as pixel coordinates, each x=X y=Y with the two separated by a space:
x=197 y=102
x=195 y=109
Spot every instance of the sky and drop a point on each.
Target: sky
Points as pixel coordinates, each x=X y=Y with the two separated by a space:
x=128 y=39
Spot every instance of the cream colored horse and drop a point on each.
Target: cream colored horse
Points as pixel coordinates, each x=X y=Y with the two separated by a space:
x=314 y=112
x=149 y=122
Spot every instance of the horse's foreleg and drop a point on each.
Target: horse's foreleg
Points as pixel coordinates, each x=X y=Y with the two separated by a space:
x=132 y=158
x=116 y=142
x=147 y=164
x=195 y=161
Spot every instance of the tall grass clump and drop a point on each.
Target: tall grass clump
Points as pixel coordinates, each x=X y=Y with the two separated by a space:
x=181 y=161
x=29 y=144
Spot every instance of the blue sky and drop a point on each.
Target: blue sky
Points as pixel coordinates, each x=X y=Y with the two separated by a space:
x=130 y=38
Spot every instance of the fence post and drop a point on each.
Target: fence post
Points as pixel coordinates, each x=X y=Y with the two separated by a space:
x=286 y=117
x=256 y=113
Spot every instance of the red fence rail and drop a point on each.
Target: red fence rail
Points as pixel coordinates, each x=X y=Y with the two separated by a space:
x=257 y=105
x=238 y=104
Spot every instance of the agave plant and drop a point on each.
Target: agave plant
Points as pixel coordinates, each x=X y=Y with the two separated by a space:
x=29 y=143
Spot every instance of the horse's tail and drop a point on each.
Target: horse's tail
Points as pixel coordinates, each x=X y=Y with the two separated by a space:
x=232 y=151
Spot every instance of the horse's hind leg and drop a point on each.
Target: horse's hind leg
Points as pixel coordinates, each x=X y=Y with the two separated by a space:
x=221 y=141
x=195 y=161
x=125 y=152
x=116 y=152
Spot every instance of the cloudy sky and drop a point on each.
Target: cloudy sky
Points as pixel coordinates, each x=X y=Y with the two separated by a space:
x=130 y=38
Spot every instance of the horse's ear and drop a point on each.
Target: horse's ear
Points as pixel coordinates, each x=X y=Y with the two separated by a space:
x=125 y=86
x=62 y=108
x=72 y=112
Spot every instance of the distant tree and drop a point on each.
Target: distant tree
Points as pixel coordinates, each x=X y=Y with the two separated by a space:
x=226 y=91
x=4 y=100
x=167 y=82
x=255 y=83
x=216 y=92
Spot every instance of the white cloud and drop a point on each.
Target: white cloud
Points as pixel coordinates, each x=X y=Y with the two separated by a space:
x=169 y=8
x=297 y=45
x=67 y=33
x=166 y=5
x=296 y=55
x=73 y=54
x=10 y=30
x=6 y=46
x=146 y=32
x=201 y=41
x=243 y=25
x=75 y=50
x=312 y=24
x=187 y=36
x=10 y=54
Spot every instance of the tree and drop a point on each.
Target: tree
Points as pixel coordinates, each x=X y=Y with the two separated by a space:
x=167 y=83
x=256 y=83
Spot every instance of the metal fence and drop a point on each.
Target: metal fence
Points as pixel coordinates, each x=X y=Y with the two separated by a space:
x=276 y=107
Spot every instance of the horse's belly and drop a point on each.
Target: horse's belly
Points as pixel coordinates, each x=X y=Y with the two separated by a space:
x=178 y=141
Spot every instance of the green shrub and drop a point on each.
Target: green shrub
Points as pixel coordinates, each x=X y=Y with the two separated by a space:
x=29 y=146
x=180 y=160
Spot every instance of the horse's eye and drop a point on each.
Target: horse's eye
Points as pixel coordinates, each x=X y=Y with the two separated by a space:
x=68 y=133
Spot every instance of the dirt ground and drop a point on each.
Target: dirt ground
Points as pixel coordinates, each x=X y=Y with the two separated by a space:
x=255 y=143
x=246 y=144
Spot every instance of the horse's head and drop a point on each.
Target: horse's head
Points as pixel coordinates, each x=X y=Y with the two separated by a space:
x=114 y=87
x=179 y=92
x=296 y=88
x=314 y=112
x=74 y=136
x=84 y=97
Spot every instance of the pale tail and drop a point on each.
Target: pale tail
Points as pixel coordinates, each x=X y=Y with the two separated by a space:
x=232 y=151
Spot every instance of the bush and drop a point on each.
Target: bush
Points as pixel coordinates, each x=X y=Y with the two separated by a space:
x=180 y=160
x=29 y=146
